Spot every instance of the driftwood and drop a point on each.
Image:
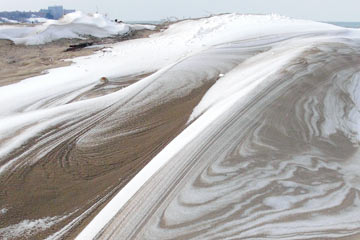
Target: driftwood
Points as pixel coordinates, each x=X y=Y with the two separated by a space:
x=79 y=46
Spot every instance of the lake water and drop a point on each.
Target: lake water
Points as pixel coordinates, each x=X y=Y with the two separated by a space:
x=347 y=24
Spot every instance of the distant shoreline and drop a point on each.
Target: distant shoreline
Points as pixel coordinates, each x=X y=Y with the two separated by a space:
x=346 y=24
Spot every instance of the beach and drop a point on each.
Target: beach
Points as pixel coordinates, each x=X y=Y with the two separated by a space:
x=225 y=127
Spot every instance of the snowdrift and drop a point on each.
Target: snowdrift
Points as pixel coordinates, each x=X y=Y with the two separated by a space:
x=277 y=91
x=5 y=20
x=73 y=25
x=36 y=20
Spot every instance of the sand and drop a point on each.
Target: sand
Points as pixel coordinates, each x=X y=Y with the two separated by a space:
x=261 y=164
x=69 y=180
x=267 y=168
x=19 y=62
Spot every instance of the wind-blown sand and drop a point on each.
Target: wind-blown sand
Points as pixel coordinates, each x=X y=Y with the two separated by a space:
x=269 y=167
x=212 y=129
x=19 y=62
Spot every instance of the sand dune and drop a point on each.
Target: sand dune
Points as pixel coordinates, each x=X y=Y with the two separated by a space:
x=212 y=129
x=276 y=165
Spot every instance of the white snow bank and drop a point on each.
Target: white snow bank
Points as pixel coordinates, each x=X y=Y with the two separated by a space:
x=72 y=25
x=37 y=20
x=5 y=20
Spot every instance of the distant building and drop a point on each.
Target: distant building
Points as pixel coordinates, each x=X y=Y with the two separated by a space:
x=55 y=12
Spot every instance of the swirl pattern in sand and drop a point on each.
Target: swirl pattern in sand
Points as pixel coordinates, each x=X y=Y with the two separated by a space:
x=281 y=163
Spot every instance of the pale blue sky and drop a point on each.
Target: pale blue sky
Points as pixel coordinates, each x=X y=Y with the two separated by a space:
x=322 y=10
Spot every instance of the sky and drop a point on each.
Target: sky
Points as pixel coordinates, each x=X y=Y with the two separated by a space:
x=135 y=10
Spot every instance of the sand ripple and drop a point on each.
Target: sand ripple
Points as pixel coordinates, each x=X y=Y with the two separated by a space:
x=282 y=163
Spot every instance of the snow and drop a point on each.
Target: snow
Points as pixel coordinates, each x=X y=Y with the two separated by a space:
x=197 y=36
x=190 y=133
x=29 y=227
x=5 y=20
x=157 y=53
x=146 y=55
x=3 y=211
x=253 y=71
x=143 y=26
x=72 y=25
x=127 y=58
x=37 y=20
x=151 y=168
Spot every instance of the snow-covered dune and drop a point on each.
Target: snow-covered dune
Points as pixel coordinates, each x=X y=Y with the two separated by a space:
x=36 y=20
x=5 y=20
x=244 y=127
x=72 y=25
